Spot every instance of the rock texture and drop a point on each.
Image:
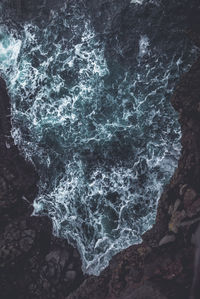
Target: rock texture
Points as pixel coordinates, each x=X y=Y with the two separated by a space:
x=33 y=263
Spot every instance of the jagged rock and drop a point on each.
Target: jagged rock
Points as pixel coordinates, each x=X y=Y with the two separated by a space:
x=170 y=210
x=189 y=197
x=59 y=256
x=176 y=205
x=26 y=241
x=175 y=221
x=189 y=223
x=194 y=208
x=174 y=208
x=167 y=239
x=55 y=263
x=182 y=189
x=70 y=275
x=14 y=243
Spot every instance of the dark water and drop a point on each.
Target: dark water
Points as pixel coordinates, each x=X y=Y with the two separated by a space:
x=90 y=85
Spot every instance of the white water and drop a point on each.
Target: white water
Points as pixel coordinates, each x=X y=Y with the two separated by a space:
x=103 y=144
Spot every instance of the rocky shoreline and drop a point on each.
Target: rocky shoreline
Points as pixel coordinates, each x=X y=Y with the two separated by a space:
x=35 y=264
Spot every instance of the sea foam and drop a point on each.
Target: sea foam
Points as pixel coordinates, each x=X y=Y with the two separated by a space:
x=103 y=144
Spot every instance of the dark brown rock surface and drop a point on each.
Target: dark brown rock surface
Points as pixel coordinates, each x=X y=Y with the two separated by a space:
x=33 y=263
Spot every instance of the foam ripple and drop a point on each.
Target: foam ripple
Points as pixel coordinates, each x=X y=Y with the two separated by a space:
x=104 y=146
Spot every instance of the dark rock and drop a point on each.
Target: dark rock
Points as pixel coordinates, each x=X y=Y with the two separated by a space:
x=32 y=261
x=183 y=189
x=194 y=209
x=70 y=275
x=189 y=197
x=176 y=220
x=146 y=291
x=167 y=239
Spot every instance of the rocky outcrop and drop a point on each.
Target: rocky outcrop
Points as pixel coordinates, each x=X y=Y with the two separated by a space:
x=33 y=263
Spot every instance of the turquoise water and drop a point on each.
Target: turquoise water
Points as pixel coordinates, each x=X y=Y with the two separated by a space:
x=104 y=142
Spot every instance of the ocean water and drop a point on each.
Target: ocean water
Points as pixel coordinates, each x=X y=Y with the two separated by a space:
x=104 y=142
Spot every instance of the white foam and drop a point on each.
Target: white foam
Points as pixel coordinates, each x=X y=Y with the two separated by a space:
x=144 y=44
x=59 y=117
x=137 y=1
x=9 y=51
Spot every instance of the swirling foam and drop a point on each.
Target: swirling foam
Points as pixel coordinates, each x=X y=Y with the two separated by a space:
x=103 y=144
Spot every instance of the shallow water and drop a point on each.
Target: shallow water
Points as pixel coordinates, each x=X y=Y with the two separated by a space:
x=104 y=138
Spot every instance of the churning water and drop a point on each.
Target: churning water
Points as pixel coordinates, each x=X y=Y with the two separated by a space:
x=103 y=142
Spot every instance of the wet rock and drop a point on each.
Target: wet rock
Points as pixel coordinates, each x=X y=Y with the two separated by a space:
x=59 y=256
x=25 y=243
x=177 y=204
x=32 y=261
x=189 y=223
x=70 y=267
x=76 y=254
x=175 y=221
x=189 y=197
x=182 y=189
x=70 y=275
x=195 y=239
x=174 y=208
x=171 y=209
x=55 y=263
x=167 y=239
x=146 y=291
x=46 y=285
x=171 y=268
x=194 y=208
x=195 y=291
x=14 y=243
x=3 y=189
